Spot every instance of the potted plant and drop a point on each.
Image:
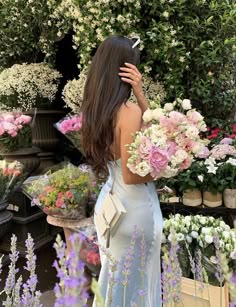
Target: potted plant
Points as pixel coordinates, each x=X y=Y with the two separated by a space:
x=229 y=174
x=190 y=183
x=16 y=139
x=214 y=178
x=32 y=88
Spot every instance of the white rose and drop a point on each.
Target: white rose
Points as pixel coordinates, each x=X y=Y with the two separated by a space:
x=186 y=104
x=194 y=234
x=203 y=220
x=226 y=234
x=206 y=230
x=179 y=237
x=208 y=239
x=143 y=169
x=187 y=218
x=189 y=239
x=157 y=114
x=168 y=107
x=147 y=116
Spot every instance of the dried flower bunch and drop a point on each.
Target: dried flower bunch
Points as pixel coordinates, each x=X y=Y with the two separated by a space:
x=27 y=86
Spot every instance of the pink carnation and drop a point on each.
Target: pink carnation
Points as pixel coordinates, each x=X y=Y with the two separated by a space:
x=158 y=158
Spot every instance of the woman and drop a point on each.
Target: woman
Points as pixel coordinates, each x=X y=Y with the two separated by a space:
x=109 y=120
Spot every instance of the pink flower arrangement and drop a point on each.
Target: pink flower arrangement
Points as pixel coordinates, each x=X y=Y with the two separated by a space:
x=14 y=130
x=168 y=144
x=70 y=126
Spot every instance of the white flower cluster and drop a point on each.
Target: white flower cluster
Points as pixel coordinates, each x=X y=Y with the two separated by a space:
x=201 y=230
x=73 y=91
x=153 y=90
x=90 y=23
x=21 y=86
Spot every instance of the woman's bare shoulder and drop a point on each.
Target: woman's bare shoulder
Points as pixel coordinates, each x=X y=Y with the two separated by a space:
x=130 y=108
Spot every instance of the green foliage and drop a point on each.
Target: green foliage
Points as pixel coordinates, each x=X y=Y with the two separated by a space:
x=229 y=175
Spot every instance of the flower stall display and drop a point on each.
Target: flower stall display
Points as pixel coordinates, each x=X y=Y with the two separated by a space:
x=89 y=252
x=70 y=126
x=207 y=234
x=15 y=131
x=27 y=86
x=11 y=174
x=63 y=193
x=169 y=142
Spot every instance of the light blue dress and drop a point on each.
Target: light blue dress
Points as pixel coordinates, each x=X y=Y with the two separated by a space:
x=142 y=263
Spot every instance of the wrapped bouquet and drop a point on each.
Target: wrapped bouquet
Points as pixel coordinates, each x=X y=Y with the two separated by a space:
x=90 y=251
x=70 y=126
x=11 y=174
x=168 y=142
x=62 y=193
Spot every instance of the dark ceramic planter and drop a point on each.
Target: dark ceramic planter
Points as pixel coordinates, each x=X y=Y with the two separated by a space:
x=27 y=156
x=44 y=134
x=5 y=222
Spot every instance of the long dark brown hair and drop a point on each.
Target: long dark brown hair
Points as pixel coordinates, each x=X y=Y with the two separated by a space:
x=104 y=93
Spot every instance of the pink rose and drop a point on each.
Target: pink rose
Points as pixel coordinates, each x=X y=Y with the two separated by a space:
x=69 y=194
x=145 y=148
x=59 y=202
x=185 y=164
x=158 y=158
x=194 y=116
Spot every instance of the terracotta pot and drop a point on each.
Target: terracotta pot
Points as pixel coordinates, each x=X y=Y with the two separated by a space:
x=229 y=196
x=192 y=198
x=212 y=200
x=44 y=134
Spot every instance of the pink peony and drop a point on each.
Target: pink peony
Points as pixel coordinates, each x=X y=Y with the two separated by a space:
x=158 y=158
x=23 y=119
x=145 y=148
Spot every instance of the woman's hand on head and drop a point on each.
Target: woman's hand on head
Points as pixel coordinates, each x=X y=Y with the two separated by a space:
x=132 y=75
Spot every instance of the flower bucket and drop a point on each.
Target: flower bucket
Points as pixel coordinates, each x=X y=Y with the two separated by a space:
x=212 y=200
x=192 y=198
x=229 y=197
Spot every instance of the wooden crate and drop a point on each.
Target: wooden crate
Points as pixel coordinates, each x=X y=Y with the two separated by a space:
x=202 y=299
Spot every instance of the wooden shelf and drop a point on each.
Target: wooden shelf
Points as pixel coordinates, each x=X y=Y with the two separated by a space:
x=227 y=214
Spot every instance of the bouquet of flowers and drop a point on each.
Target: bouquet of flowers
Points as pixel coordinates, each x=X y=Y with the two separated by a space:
x=70 y=126
x=15 y=131
x=11 y=174
x=169 y=142
x=90 y=251
x=62 y=192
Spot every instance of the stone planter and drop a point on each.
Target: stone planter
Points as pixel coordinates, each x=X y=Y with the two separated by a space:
x=229 y=197
x=44 y=134
x=192 y=198
x=27 y=156
x=193 y=296
x=5 y=222
x=212 y=200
